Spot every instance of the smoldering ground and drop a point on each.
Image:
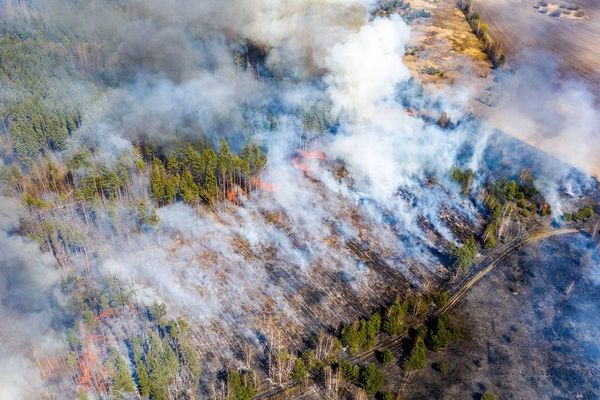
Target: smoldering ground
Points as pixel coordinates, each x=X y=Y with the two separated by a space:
x=530 y=329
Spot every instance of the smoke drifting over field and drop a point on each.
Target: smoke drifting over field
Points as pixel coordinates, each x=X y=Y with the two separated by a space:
x=357 y=164
x=28 y=305
x=556 y=114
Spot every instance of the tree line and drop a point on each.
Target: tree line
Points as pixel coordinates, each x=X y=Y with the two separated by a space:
x=199 y=173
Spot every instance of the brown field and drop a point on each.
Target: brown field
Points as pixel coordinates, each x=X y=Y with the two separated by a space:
x=575 y=42
x=556 y=107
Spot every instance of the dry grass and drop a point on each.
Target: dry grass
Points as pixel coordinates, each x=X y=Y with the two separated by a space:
x=492 y=48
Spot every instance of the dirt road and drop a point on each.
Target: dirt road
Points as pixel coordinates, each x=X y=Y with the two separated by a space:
x=293 y=388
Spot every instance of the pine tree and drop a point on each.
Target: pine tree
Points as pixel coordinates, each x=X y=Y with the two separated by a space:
x=418 y=356
x=196 y=163
x=188 y=188
x=211 y=188
x=371 y=379
x=162 y=365
x=143 y=378
x=121 y=379
x=171 y=183
x=258 y=158
x=172 y=165
x=157 y=181
x=299 y=371
x=238 y=387
x=224 y=164
x=246 y=165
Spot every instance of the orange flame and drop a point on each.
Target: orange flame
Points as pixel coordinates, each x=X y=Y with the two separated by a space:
x=263 y=185
x=299 y=165
x=109 y=312
x=313 y=155
x=88 y=358
x=86 y=363
x=231 y=195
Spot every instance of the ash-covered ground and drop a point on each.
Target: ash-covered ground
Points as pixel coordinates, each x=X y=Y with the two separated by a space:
x=530 y=330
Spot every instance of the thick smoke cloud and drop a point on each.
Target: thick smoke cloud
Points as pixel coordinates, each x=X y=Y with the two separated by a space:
x=138 y=51
x=558 y=115
x=28 y=280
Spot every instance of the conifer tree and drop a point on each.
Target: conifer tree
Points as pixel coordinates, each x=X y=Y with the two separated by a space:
x=189 y=189
x=172 y=165
x=143 y=378
x=418 y=356
x=224 y=164
x=171 y=183
x=121 y=379
x=211 y=188
x=157 y=181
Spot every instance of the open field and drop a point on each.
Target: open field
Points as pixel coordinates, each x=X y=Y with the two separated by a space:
x=523 y=29
x=550 y=97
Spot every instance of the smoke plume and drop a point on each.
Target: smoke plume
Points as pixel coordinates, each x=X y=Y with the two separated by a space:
x=28 y=308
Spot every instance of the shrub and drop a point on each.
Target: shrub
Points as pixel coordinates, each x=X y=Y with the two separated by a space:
x=582 y=214
x=371 y=379
x=385 y=356
x=299 y=371
x=442 y=368
x=442 y=332
x=418 y=356
x=386 y=396
x=488 y=396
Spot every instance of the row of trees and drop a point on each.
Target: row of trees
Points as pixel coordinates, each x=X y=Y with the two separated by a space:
x=35 y=128
x=583 y=214
x=362 y=335
x=199 y=173
x=436 y=335
x=159 y=363
x=492 y=48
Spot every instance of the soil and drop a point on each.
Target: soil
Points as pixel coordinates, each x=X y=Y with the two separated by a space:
x=530 y=330
x=572 y=38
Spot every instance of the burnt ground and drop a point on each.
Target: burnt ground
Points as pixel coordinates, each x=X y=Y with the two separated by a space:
x=530 y=330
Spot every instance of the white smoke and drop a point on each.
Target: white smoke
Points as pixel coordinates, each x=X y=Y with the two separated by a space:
x=559 y=116
x=28 y=306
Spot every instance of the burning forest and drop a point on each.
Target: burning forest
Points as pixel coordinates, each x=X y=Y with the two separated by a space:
x=255 y=199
